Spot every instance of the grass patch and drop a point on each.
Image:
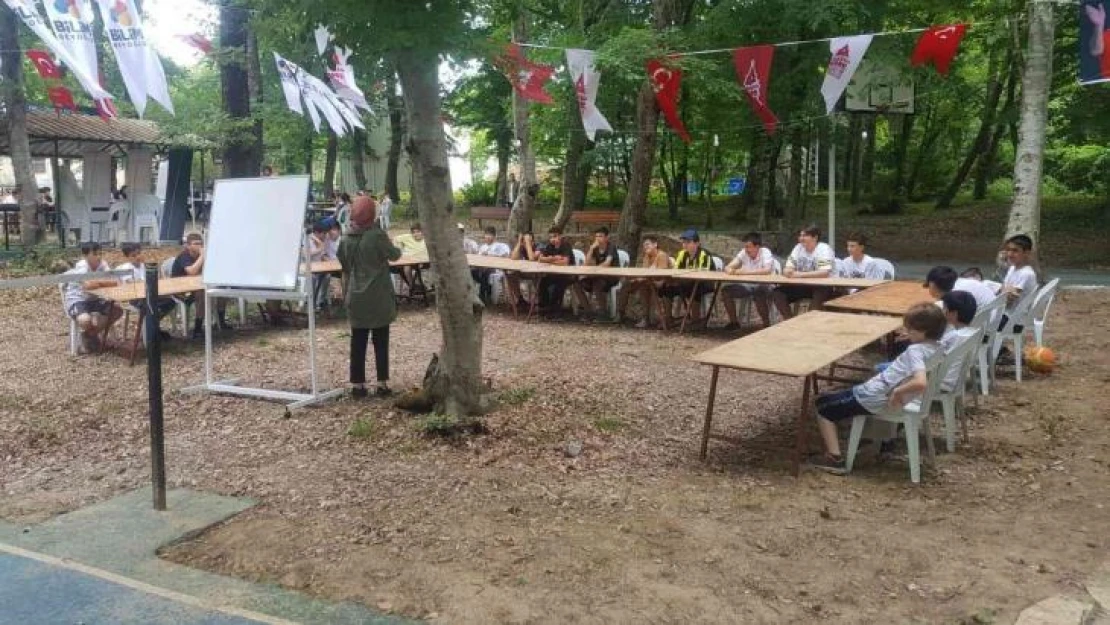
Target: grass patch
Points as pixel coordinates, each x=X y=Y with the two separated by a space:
x=609 y=425
x=448 y=426
x=362 y=429
x=263 y=342
x=517 y=396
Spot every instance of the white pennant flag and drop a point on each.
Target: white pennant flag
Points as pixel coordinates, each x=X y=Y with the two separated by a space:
x=72 y=23
x=585 y=79
x=323 y=37
x=847 y=52
x=290 y=84
x=298 y=85
x=29 y=13
x=342 y=79
x=138 y=63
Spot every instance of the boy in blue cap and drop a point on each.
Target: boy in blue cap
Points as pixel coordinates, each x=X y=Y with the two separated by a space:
x=691 y=256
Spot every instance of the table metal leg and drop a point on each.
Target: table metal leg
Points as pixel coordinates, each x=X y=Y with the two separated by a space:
x=803 y=423
x=709 y=413
x=689 y=308
x=138 y=333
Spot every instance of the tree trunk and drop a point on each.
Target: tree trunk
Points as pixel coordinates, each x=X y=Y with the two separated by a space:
x=1025 y=213
x=573 y=174
x=669 y=176
x=772 y=204
x=929 y=137
x=309 y=148
x=520 y=217
x=358 y=156
x=905 y=135
x=456 y=387
x=396 y=106
x=985 y=170
x=235 y=87
x=982 y=139
x=504 y=151
x=255 y=85
x=15 y=103
x=331 y=154
x=635 y=203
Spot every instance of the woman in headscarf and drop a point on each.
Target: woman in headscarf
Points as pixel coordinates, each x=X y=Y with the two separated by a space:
x=364 y=253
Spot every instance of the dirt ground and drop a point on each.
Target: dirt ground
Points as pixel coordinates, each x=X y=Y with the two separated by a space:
x=356 y=504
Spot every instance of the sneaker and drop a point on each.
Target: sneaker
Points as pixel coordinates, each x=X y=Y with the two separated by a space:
x=830 y=464
x=358 y=392
x=382 y=391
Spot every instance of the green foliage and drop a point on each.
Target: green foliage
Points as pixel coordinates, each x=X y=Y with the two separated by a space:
x=362 y=429
x=517 y=396
x=1079 y=168
x=609 y=425
x=479 y=193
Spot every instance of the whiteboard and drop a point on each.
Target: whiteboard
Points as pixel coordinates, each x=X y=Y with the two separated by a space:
x=256 y=232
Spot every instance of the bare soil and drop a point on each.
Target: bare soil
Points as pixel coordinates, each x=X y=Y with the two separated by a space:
x=357 y=504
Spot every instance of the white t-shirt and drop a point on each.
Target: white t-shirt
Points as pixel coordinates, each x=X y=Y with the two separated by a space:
x=331 y=249
x=981 y=292
x=874 y=394
x=865 y=268
x=952 y=339
x=497 y=248
x=316 y=251
x=822 y=257
x=470 y=246
x=75 y=291
x=1023 y=278
x=763 y=261
x=138 y=274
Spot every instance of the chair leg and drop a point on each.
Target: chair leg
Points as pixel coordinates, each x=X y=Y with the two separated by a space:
x=948 y=407
x=930 y=446
x=1019 y=354
x=1038 y=332
x=984 y=373
x=961 y=413
x=913 y=447
x=854 y=437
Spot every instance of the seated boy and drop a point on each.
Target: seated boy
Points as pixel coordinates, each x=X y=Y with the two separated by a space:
x=190 y=262
x=1021 y=278
x=525 y=249
x=858 y=264
x=941 y=280
x=753 y=260
x=317 y=252
x=490 y=247
x=412 y=245
x=894 y=387
x=558 y=251
x=809 y=259
x=691 y=256
x=602 y=253
x=94 y=315
x=959 y=310
x=653 y=258
x=133 y=255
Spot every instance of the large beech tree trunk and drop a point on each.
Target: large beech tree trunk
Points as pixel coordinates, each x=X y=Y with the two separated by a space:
x=15 y=101
x=396 y=136
x=235 y=89
x=574 y=174
x=1025 y=213
x=358 y=157
x=456 y=387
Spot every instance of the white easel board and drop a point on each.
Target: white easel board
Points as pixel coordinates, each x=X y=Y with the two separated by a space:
x=255 y=233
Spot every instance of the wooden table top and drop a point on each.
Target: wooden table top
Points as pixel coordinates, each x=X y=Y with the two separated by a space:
x=720 y=276
x=333 y=266
x=137 y=290
x=892 y=298
x=802 y=345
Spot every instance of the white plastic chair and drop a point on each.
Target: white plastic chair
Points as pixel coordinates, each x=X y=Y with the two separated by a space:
x=952 y=400
x=165 y=270
x=622 y=260
x=986 y=318
x=1019 y=316
x=838 y=268
x=73 y=340
x=914 y=418
x=1039 y=311
x=885 y=267
x=579 y=257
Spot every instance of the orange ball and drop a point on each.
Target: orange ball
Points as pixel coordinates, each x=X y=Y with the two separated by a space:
x=1040 y=359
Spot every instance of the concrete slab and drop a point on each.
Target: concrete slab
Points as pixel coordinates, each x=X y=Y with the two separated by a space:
x=1055 y=611
x=122 y=535
x=1098 y=586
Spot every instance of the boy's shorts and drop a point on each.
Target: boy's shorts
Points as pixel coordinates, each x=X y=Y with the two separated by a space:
x=91 y=306
x=741 y=291
x=839 y=406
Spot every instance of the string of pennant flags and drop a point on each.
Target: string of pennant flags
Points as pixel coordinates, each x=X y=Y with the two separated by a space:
x=338 y=104
x=936 y=45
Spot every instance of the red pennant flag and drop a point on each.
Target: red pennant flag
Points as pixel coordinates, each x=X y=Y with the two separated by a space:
x=106 y=108
x=939 y=45
x=528 y=78
x=198 y=41
x=61 y=98
x=45 y=65
x=753 y=70
x=666 y=82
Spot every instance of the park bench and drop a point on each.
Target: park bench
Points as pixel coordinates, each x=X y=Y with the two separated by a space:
x=594 y=218
x=500 y=213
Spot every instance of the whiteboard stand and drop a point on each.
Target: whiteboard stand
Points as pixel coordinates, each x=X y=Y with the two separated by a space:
x=302 y=294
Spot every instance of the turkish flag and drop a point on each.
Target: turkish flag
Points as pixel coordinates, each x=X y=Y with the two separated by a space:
x=753 y=70
x=528 y=78
x=45 y=65
x=939 y=45
x=61 y=98
x=198 y=41
x=666 y=82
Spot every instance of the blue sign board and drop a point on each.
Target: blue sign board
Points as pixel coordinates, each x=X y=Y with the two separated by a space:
x=735 y=186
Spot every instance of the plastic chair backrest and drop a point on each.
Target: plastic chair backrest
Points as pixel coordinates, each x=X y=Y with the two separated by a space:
x=579 y=257
x=1020 y=315
x=838 y=268
x=718 y=263
x=166 y=268
x=935 y=366
x=885 y=267
x=777 y=270
x=1043 y=300
x=987 y=318
x=622 y=258
x=962 y=354
x=62 y=291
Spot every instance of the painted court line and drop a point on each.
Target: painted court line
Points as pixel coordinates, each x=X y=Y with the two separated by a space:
x=143 y=587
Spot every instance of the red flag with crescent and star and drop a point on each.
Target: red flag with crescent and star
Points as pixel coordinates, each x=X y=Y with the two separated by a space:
x=528 y=78
x=939 y=45
x=45 y=65
x=753 y=70
x=61 y=98
x=666 y=81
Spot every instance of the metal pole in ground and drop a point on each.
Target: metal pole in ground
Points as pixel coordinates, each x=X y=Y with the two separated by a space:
x=154 y=388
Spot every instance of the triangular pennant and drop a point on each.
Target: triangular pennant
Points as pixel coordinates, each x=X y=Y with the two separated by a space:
x=323 y=37
x=586 y=81
x=528 y=78
x=847 y=52
x=939 y=45
x=753 y=70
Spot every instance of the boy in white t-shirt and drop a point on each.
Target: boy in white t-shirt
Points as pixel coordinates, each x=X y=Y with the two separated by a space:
x=94 y=315
x=133 y=254
x=752 y=260
x=959 y=309
x=490 y=246
x=858 y=264
x=1021 y=278
x=895 y=386
x=810 y=259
